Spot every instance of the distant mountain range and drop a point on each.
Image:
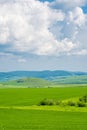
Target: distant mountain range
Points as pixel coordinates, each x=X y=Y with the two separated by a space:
x=47 y=74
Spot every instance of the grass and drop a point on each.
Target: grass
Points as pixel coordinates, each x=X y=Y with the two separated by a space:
x=32 y=96
x=42 y=120
x=19 y=109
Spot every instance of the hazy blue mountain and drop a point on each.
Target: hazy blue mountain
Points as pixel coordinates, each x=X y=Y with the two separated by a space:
x=49 y=75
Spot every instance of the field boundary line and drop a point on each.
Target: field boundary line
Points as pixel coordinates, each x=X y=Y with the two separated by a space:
x=47 y=108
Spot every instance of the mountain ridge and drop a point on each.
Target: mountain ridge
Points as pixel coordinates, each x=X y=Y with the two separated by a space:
x=46 y=74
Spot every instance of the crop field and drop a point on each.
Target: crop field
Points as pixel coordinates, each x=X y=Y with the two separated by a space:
x=19 y=109
x=42 y=120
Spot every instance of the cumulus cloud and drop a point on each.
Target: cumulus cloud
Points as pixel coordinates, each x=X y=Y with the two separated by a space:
x=77 y=16
x=28 y=26
x=25 y=24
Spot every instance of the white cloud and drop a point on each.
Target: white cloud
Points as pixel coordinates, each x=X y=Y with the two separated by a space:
x=13 y=57
x=22 y=60
x=26 y=26
x=56 y=48
x=82 y=52
x=5 y=54
x=77 y=16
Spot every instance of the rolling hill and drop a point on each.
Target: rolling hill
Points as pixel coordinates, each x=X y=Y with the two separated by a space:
x=28 y=83
x=71 y=80
x=39 y=79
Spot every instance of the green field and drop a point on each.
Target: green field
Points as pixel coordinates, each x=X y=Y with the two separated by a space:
x=42 y=120
x=19 y=109
x=32 y=96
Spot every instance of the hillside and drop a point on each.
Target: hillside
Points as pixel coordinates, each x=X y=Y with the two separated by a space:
x=31 y=79
x=37 y=82
x=71 y=80
x=49 y=75
x=28 y=82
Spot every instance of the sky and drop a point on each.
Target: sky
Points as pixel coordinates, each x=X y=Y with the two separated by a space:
x=43 y=35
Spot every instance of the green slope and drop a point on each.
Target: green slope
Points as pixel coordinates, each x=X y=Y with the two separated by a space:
x=37 y=82
x=71 y=80
x=28 y=82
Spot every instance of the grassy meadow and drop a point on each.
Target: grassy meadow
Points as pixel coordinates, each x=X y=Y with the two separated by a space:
x=32 y=96
x=13 y=119
x=19 y=109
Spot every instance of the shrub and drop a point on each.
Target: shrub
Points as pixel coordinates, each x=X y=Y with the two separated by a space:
x=81 y=104
x=57 y=102
x=71 y=103
x=83 y=99
x=44 y=102
x=49 y=102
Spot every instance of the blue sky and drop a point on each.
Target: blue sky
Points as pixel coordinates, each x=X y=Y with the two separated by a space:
x=84 y=9
x=43 y=35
